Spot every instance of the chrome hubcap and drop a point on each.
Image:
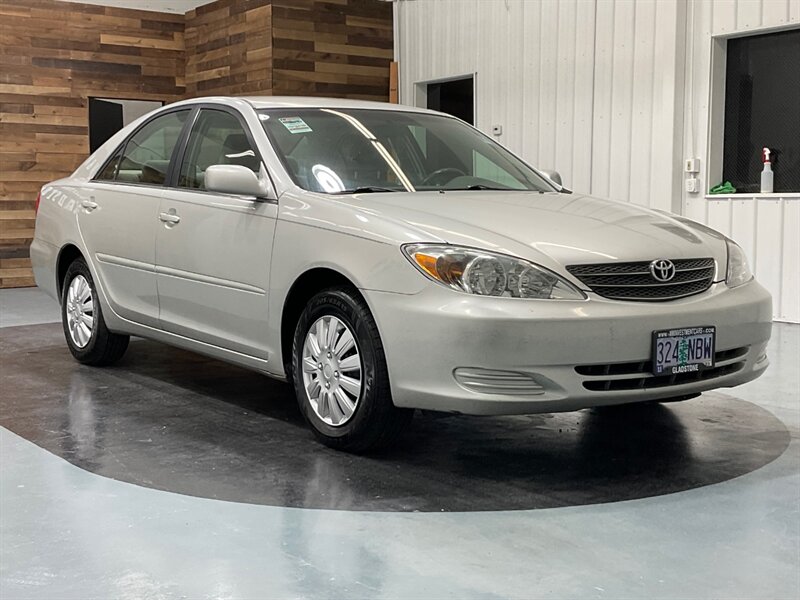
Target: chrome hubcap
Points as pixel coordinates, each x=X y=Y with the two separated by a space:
x=79 y=311
x=331 y=370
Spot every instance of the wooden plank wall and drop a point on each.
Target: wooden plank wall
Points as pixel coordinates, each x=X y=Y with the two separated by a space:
x=338 y=48
x=53 y=57
x=229 y=48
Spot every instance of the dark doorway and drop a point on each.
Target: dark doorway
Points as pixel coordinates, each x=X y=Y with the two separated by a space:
x=105 y=119
x=108 y=115
x=456 y=97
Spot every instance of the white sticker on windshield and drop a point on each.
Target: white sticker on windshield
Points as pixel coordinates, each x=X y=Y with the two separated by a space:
x=295 y=124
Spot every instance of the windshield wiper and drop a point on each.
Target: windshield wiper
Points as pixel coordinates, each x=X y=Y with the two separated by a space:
x=367 y=189
x=480 y=186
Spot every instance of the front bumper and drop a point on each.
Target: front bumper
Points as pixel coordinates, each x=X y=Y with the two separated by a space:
x=427 y=336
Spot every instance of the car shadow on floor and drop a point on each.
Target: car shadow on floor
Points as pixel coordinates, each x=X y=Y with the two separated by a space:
x=173 y=420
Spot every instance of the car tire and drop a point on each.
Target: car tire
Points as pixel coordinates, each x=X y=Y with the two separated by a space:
x=88 y=338
x=338 y=416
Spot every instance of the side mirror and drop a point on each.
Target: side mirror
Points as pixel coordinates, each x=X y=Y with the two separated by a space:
x=236 y=179
x=553 y=176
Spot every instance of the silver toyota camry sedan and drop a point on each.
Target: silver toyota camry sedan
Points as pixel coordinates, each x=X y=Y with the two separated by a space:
x=384 y=258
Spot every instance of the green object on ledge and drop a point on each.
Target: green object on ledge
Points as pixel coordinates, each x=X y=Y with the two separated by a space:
x=723 y=188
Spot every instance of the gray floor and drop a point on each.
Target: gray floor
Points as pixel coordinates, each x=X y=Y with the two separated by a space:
x=67 y=532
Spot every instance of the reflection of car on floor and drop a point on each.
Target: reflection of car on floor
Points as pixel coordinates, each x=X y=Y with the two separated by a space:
x=385 y=258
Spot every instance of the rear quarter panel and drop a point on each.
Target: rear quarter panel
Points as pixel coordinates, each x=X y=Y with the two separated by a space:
x=56 y=228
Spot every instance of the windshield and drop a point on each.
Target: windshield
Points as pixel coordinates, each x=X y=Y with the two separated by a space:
x=340 y=151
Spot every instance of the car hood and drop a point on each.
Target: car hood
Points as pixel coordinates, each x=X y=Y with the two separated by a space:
x=554 y=229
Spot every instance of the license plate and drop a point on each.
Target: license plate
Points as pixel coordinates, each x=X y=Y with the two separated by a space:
x=684 y=350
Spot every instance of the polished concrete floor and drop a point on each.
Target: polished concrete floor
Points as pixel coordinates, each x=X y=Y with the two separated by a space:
x=173 y=476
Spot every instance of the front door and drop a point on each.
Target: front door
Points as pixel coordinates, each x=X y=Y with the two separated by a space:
x=118 y=217
x=213 y=250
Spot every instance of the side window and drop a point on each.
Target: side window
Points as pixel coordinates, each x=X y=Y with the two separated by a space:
x=109 y=171
x=146 y=155
x=217 y=138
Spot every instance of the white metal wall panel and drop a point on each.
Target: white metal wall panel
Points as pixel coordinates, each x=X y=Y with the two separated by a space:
x=534 y=71
x=613 y=94
x=769 y=247
x=603 y=100
x=789 y=299
x=621 y=92
x=642 y=96
x=767 y=229
x=579 y=86
x=635 y=102
x=583 y=97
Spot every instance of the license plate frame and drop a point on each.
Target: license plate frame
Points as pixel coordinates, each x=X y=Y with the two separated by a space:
x=683 y=344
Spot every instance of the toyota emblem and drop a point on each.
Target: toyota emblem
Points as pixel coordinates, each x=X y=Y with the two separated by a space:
x=662 y=270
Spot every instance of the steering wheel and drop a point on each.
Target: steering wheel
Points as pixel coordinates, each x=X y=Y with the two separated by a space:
x=432 y=179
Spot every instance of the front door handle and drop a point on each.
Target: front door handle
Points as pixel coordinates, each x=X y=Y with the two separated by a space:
x=169 y=218
x=88 y=205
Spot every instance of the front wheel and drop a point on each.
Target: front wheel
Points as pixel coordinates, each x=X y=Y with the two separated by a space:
x=88 y=338
x=340 y=375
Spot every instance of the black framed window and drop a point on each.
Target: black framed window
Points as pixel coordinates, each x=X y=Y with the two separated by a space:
x=145 y=156
x=762 y=109
x=217 y=138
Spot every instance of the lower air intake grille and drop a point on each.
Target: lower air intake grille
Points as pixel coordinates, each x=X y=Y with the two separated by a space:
x=635 y=281
x=638 y=376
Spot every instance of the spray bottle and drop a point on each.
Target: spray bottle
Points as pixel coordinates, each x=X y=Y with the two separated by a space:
x=766 y=174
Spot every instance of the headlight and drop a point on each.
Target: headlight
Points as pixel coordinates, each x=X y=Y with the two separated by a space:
x=738 y=270
x=487 y=273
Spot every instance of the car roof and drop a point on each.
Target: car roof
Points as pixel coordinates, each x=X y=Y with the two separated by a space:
x=267 y=102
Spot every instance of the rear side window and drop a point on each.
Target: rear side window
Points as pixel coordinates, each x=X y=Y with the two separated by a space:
x=110 y=170
x=145 y=157
x=217 y=138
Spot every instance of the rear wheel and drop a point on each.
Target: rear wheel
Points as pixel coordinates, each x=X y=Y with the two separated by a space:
x=340 y=376
x=88 y=338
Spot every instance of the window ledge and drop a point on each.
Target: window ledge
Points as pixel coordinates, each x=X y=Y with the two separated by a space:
x=755 y=196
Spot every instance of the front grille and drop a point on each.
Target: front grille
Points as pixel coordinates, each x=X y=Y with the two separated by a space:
x=633 y=280
x=638 y=375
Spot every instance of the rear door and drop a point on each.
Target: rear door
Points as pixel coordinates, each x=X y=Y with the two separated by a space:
x=118 y=217
x=213 y=250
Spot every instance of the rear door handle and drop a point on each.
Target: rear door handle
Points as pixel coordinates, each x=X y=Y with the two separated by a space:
x=169 y=218
x=88 y=205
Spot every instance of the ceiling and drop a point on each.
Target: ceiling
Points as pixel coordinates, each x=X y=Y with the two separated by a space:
x=170 y=6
